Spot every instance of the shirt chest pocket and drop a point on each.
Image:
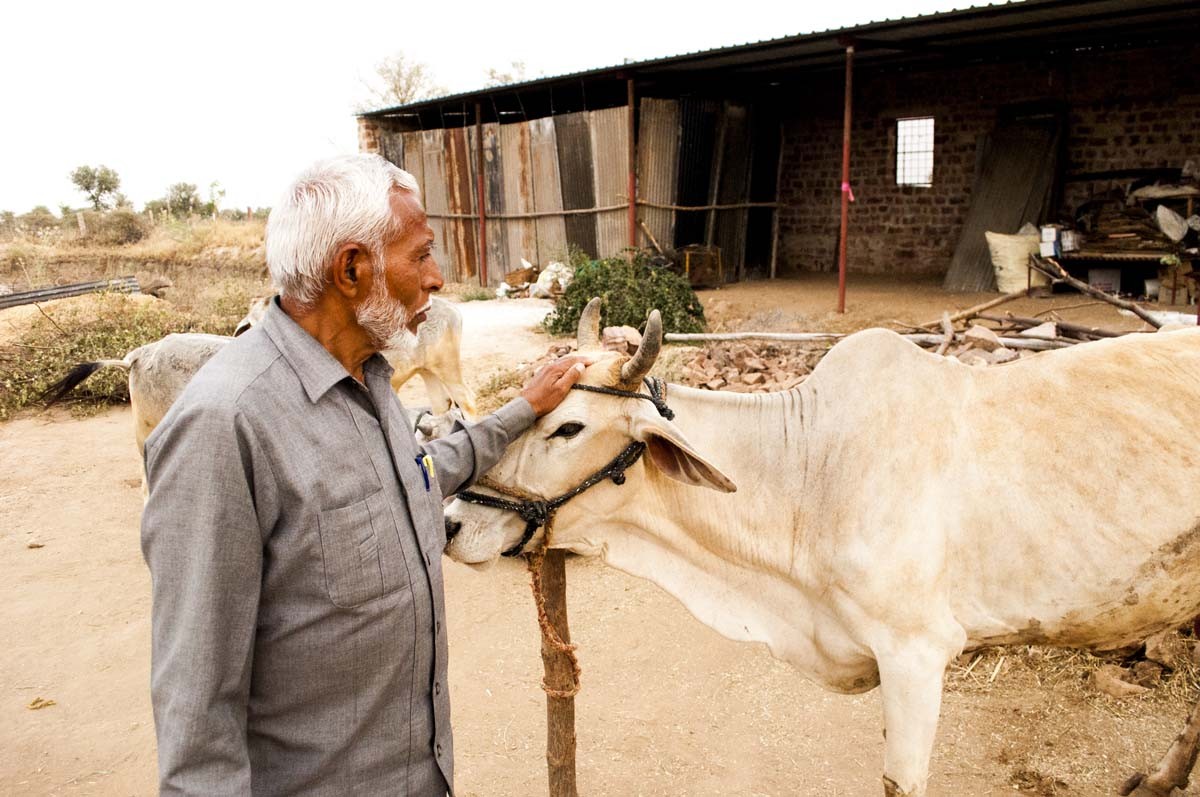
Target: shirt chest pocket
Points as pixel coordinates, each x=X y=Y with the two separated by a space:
x=356 y=540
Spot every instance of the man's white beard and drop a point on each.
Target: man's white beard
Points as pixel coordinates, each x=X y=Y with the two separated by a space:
x=385 y=320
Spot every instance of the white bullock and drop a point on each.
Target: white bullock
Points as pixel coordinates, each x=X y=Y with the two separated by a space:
x=894 y=510
x=433 y=355
x=159 y=371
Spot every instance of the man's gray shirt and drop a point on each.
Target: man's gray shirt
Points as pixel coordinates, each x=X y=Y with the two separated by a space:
x=299 y=633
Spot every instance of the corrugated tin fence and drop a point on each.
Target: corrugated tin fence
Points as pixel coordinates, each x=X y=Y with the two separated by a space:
x=560 y=182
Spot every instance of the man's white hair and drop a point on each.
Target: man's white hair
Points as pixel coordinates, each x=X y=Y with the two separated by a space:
x=332 y=203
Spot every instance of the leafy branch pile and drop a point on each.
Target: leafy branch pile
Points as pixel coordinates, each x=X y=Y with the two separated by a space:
x=628 y=290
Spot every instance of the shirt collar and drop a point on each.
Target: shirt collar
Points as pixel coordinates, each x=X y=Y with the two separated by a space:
x=315 y=367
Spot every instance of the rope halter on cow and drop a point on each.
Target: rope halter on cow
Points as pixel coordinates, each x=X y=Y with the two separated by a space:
x=539 y=512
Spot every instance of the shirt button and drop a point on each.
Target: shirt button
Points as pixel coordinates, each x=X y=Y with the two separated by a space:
x=438 y=749
x=437 y=626
x=428 y=560
x=437 y=688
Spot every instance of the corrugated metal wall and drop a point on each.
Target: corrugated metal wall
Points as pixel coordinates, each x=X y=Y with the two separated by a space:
x=493 y=187
x=574 y=144
x=520 y=235
x=391 y=145
x=734 y=187
x=658 y=165
x=433 y=155
x=547 y=191
x=579 y=161
x=609 y=131
x=698 y=121
x=414 y=159
x=460 y=186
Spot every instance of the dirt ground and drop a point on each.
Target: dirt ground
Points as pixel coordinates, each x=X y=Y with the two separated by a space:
x=668 y=707
x=809 y=304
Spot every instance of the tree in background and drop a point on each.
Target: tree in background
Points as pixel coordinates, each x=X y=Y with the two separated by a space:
x=39 y=220
x=182 y=199
x=514 y=74
x=399 y=81
x=215 y=194
x=99 y=184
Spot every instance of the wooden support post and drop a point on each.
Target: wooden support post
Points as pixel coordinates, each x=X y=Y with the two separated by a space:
x=632 y=187
x=842 y=233
x=481 y=196
x=714 y=185
x=560 y=677
x=778 y=206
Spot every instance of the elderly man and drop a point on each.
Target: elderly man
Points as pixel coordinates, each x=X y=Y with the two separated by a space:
x=294 y=528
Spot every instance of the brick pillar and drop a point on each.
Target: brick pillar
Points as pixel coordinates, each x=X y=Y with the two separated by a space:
x=368 y=135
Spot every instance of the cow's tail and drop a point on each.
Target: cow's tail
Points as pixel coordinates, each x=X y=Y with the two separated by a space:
x=76 y=377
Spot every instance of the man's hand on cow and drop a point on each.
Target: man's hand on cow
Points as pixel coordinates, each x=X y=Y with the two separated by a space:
x=550 y=385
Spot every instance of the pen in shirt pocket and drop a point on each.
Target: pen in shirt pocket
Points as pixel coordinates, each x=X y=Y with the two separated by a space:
x=428 y=473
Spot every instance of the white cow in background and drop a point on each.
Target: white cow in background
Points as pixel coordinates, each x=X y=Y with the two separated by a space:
x=159 y=371
x=434 y=355
x=894 y=510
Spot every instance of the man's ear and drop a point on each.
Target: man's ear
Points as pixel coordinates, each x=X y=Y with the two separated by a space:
x=676 y=458
x=351 y=270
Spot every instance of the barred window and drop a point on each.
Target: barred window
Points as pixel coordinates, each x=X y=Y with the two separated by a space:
x=914 y=151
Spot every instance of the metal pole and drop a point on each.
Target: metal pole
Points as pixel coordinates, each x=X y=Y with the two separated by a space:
x=714 y=185
x=841 y=306
x=479 y=187
x=632 y=185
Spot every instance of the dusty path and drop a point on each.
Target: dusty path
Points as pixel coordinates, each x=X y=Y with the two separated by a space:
x=667 y=708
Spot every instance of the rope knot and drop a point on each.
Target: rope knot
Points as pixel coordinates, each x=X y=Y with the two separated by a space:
x=536 y=513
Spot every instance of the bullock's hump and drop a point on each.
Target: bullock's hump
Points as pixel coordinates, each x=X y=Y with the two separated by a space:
x=873 y=348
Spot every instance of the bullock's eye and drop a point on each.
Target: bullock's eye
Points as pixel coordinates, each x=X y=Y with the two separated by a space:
x=568 y=430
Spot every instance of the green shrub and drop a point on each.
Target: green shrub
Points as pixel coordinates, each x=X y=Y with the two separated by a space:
x=119 y=227
x=628 y=292
x=38 y=221
x=102 y=330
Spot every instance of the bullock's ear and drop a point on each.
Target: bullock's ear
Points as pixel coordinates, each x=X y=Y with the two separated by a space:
x=675 y=457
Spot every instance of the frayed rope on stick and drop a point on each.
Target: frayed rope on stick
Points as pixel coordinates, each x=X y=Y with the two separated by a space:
x=550 y=637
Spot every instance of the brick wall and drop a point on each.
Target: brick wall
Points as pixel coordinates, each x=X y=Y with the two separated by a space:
x=368 y=135
x=1126 y=109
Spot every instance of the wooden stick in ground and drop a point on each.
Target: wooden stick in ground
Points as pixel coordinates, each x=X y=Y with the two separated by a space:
x=561 y=682
x=653 y=240
x=1056 y=272
x=971 y=312
x=948 y=331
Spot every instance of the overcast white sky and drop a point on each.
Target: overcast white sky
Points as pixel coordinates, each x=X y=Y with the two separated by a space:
x=247 y=93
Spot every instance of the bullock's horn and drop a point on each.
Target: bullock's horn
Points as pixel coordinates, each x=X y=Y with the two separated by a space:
x=588 y=336
x=641 y=361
